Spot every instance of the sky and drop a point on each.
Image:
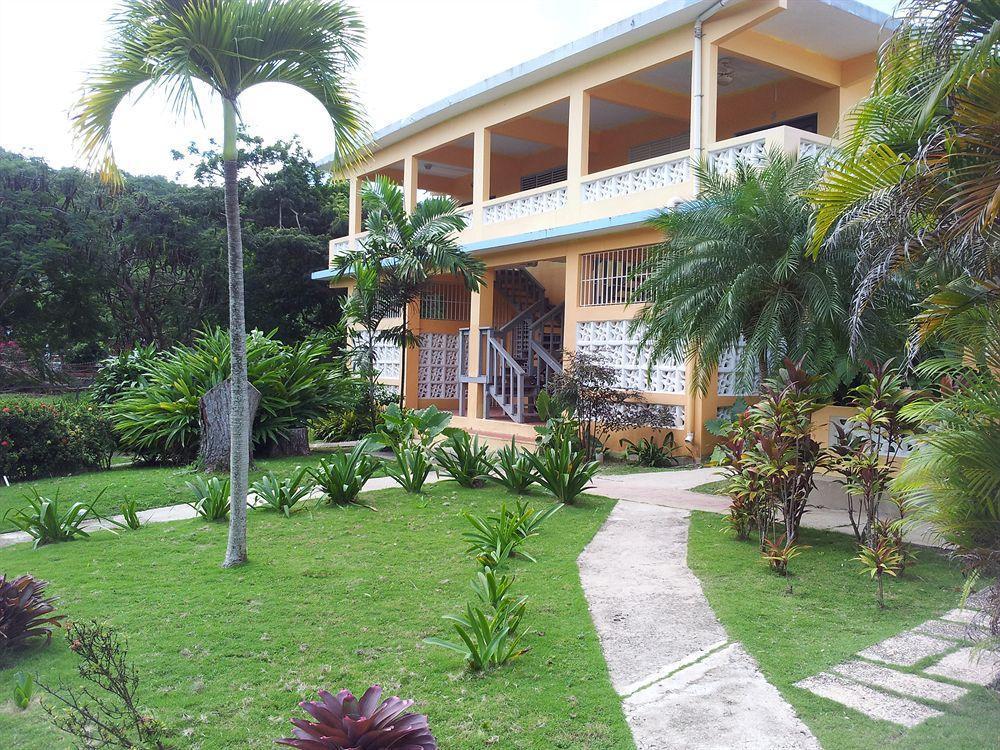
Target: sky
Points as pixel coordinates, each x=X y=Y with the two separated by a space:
x=417 y=53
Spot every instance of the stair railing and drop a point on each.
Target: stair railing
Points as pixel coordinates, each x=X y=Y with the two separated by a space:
x=504 y=379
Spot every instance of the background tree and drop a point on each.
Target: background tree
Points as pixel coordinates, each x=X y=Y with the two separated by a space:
x=230 y=47
x=396 y=260
x=732 y=274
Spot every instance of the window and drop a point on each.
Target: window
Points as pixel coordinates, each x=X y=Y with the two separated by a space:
x=606 y=277
x=445 y=302
x=809 y=123
x=540 y=179
x=669 y=145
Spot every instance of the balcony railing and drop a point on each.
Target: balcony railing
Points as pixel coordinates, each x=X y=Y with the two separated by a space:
x=528 y=203
x=752 y=148
x=651 y=174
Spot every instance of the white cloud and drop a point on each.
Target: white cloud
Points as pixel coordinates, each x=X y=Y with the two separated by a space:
x=417 y=53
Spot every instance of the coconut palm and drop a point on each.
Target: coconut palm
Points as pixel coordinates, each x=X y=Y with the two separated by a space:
x=394 y=262
x=176 y=45
x=732 y=274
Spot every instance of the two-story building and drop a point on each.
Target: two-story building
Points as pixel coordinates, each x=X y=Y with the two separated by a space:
x=559 y=162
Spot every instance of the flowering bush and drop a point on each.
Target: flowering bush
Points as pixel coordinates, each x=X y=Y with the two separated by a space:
x=43 y=438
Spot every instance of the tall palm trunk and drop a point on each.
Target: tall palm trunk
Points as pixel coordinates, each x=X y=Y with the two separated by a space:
x=402 y=363
x=239 y=427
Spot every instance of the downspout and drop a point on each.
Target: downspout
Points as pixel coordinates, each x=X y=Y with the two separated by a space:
x=697 y=93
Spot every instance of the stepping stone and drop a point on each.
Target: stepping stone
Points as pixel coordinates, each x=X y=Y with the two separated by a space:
x=979 y=599
x=969 y=666
x=900 y=682
x=955 y=631
x=869 y=701
x=906 y=649
x=960 y=615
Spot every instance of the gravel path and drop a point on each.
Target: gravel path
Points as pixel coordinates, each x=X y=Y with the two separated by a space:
x=683 y=683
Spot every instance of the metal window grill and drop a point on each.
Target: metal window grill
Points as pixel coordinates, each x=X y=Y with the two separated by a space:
x=661 y=147
x=606 y=277
x=545 y=177
x=444 y=301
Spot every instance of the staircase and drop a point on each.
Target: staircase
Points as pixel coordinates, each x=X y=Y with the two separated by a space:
x=523 y=349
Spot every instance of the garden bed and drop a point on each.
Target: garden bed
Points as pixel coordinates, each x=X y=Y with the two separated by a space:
x=331 y=598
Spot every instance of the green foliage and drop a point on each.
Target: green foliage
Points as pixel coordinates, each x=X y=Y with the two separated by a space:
x=464 y=458
x=24 y=689
x=410 y=468
x=778 y=553
x=48 y=438
x=282 y=495
x=880 y=557
x=160 y=421
x=512 y=467
x=498 y=536
x=732 y=275
x=47 y=521
x=649 y=453
x=342 y=476
x=211 y=498
x=400 y=427
x=352 y=421
x=26 y=614
x=129 y=510
x=122 y=372
x=563 y=471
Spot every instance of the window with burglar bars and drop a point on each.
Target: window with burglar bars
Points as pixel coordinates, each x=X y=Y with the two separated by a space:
x=606 y=277
x=445 y=302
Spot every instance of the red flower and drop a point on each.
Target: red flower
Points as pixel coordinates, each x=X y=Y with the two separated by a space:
x=4 y=443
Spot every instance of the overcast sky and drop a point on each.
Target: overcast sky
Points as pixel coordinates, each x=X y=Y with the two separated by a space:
x=417 y=53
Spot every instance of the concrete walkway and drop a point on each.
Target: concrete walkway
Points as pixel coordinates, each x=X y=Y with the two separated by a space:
x=683 y=683
x=672 y=489
x=184 y=511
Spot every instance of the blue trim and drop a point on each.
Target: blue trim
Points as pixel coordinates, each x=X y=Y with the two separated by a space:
x=326 y=273
x=558 y=233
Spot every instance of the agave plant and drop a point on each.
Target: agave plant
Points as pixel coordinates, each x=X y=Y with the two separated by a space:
x=342 y=476
x=464 y=458
x=410 y=468
x=47 y=521
x=563 y=471
x=342 y=722
x=211 y=498
x=282 y=494
x=25 y=614
x=513 y=469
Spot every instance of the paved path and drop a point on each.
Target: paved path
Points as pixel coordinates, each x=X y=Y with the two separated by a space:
x=683 y=683
x=183 y=511
x=672 y=489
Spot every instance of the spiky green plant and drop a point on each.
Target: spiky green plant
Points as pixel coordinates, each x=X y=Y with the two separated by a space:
x=48 y=521
x=284 y=494
x=228 y=47
x=513 y=469
x=464 y=458
x=563 y=471
x=410 y=468
x=342 y=476
x=211 y=498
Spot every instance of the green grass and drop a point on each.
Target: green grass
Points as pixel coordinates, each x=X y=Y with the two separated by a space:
x=615 y=468
x=718 y=487
x=331 y=598
x=830 y=616
x=149 y=486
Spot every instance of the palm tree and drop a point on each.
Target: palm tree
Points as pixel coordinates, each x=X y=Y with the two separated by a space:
x=732 y=274
x=230 y=46
x=394 y=263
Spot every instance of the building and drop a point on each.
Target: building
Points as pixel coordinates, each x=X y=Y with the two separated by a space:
x=558 y=163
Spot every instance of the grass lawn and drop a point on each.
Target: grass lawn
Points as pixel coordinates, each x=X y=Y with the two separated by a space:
x=615 y=468
x=718 y=487
x=332 y=598
x=832 y=615
x=149 y=486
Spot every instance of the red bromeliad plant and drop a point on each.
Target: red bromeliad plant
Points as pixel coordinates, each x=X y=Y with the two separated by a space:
x=24 y=613
x=345 y=723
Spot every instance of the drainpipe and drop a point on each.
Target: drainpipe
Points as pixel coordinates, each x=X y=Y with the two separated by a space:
x=697 y=94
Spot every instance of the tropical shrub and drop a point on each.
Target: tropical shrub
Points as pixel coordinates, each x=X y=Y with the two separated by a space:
x=401 y=427
x=778 y=553
x=490 y=635
x=563 y=471
x=498 y=536
x=880 y=557
x=130 y=514
x=282 y=494
x=342 y=476
x=47 y=521
x=160 y=420
x=410 y=467
x=647 y=452
x=106 y=711
x=352 y=421
x=748 y=504
x=464 y=458
x=121 y=372
x=513 y=469
x=342 y=721
x=50 y=438
x=211 y=497
x=26 y=614
x=865 y=455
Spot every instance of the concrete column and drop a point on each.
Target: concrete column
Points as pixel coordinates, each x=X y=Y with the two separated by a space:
x=410 y=168
x=480 y=315
x=572 y=308
x=354 y=207
x=412 y=364
x=481 y=167
x=578 y=147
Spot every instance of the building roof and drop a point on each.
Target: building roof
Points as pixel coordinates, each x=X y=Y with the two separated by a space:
x=861 y=28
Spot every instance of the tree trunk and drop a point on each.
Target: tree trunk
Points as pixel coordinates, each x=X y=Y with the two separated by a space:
x=215 y=407
x=239 y=413
x=296 y=443
x=402 y=364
